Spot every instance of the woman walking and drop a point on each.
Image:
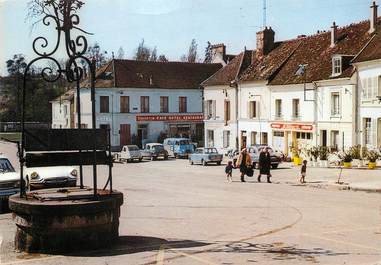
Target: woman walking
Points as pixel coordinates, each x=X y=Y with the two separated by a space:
x=243 y=162
x=264 y=165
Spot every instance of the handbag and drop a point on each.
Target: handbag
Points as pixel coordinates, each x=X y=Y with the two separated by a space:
x=249 y=171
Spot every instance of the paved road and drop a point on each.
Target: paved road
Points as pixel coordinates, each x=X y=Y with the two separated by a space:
x=175 y=213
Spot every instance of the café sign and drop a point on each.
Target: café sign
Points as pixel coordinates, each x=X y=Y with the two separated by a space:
x=292 y=126
x=180 y=118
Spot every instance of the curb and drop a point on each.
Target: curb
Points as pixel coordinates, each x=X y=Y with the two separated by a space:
x=372 y=190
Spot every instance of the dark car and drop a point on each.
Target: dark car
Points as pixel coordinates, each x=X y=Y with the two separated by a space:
x=154 y=151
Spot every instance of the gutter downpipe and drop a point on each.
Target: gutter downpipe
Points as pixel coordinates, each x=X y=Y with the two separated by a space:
x=314 y=83
x=234 y=84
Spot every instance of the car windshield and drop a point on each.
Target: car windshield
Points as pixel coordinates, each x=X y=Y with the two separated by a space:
x=158 y=147
x=133 y=148
x=211 y=151
x=5 y=166
x=182 y=142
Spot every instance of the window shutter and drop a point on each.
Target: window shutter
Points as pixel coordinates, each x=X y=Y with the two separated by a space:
x=205 y=109
x=214 y=109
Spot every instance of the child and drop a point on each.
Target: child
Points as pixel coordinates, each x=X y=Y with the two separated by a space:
x=229 y=171
x=303 y=172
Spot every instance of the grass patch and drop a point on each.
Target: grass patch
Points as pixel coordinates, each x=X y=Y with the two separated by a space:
x=14 y=136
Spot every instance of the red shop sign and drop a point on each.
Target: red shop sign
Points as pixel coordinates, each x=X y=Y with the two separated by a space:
x=196 y=117
x=292 y=126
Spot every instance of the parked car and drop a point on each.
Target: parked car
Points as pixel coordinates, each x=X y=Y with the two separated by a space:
x=128 y=153
x=9 y=181
x=51 y=177
x=205 y=156
x=153 y=151
x=253 y=151
x=181 y=147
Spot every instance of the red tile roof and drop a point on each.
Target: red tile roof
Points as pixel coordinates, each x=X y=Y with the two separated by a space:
x=139 y=74
x=280 y=65
x=372 y=51
x=230 y=71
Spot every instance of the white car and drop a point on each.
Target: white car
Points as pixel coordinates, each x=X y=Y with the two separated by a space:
x=9 y=180
x=128 y=154
x=51 y=177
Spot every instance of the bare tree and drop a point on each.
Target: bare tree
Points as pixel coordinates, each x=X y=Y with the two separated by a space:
x=162 y=58
x=153 y=57
x=142 y=53
x=191 y=57
x=120 y=54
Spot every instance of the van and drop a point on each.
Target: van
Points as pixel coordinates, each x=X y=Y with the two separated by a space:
x=180 y=147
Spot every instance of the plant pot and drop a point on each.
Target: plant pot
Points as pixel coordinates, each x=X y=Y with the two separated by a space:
x=347 y=164
x=297 y=161
x=361 y=163
x=355 y=162
x=372 y=165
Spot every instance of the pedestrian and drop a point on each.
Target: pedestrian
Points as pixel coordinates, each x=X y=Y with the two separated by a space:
x=303 y=172
x=264 y=164
x=229 y=171
x=243 y=162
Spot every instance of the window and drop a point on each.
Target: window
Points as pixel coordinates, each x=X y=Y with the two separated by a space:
x=210 y=109
x=278 y=134
x=264 y=138
x=144 y=104
x=295 y=108
x=370 y=87
x=253 y=109
x=253 y=138
x=124 y=104
x=227 y=111
x=182 y=104
x=303 y=135
x=164 y=104
x=210 y=138
x=65 y=110
x=104 y=107
x=367 y=131
x=335 y=104
x=226 y=140
x=335 y=139
x=278 y=108
x=336 y=66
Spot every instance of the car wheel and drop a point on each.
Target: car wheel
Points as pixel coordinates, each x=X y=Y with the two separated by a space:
x=219 y=163
x=140 y=159
x=191 y=162
x=152 y=158
x=274 y=166
x=204 y=162
x=165 y=157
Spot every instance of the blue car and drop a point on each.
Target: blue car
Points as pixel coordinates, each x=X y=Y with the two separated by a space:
x=205 y=156
x=180 y=147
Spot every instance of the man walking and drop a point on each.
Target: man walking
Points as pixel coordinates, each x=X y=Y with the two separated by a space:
x=264 y=164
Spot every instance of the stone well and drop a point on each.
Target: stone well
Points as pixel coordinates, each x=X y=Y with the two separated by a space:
x=65 y=220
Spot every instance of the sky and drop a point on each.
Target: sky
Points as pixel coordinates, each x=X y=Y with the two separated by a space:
x=170 y=25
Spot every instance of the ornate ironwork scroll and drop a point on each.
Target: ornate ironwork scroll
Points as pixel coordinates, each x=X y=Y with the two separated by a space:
x=62 y=15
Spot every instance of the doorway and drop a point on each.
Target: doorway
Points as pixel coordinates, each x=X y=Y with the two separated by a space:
x=324 y=137
x=125 y=134
x=142 y=134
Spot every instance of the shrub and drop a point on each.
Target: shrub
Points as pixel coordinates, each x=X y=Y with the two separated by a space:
x=372 y=156
x=355 y=151
x=346 y=156
x=323 y=152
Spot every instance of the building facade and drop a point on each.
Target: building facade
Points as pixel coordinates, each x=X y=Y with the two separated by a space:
x=146 y=101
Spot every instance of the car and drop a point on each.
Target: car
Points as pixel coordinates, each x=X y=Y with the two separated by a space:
x=205 y=156
x=9 y=181
x=181 y=147
x=253 y=151
x=153 y=151
x=51 y=177
x=128 y=153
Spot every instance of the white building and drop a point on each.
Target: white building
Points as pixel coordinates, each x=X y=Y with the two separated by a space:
x=368 y=66
x=63 y=111
x=296 y=92
x=144 y=101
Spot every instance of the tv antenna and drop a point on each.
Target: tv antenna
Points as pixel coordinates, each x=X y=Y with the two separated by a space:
x=264 y=13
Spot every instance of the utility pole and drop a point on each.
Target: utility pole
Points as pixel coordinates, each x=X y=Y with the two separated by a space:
x=264 y=14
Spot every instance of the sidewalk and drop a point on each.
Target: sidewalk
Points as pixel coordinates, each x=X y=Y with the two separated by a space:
x=355 y=179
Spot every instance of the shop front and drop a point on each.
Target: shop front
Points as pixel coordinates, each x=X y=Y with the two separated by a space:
x=181 y=125
x=287 y=135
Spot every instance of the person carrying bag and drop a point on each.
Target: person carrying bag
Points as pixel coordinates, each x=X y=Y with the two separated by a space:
x=244 y=162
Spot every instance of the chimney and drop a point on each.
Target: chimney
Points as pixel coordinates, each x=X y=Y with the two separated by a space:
x=265 y=41
x=333 y=34
x=218 y=52
x=373 y=17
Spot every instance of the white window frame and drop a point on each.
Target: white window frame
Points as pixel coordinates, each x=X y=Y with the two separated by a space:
x=335 y=109
x=226 y=139
x=296 y=109
x=337 y=65
x=253 y=109
x=278 y=108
